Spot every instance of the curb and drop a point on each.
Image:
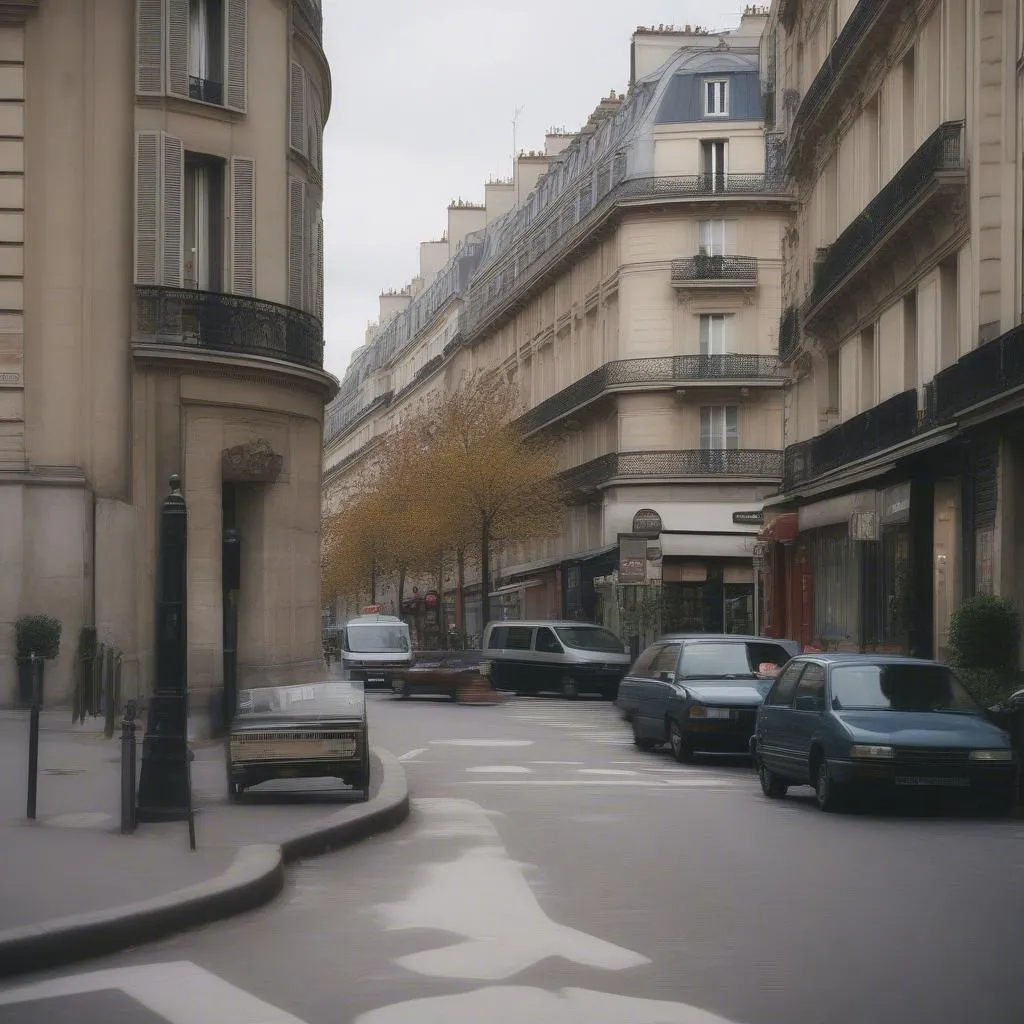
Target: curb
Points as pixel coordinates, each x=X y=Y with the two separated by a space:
x=254 y=878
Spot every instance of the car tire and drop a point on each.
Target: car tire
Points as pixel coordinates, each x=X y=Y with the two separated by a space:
x=771 y=785
x=997 y=803
x=681 y=749
x=642 y=742
x=570 y=689
x=826 y=792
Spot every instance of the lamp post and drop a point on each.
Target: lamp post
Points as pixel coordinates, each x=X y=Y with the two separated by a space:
x=164 y=792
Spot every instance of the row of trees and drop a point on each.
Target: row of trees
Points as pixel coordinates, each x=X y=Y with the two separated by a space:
x=454 y=480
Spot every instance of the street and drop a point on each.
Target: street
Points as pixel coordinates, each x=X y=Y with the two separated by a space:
x=551 y=871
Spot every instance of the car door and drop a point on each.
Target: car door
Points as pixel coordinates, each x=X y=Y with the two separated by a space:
x=805 y=718
x=631 y=689
x=773 y=719
x=658 y=692
x=494 y=648
x=549 y=661
x=519 y=659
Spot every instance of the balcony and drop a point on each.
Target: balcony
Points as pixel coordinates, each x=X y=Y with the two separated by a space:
x=746 y=463
x=206 y=91
x=312 y=14
x=232 y=324
x=910 y=202
x=985 y=373
x=885 y=426
x=789 y=333
x=705 y=271
x=656 y=372
x=865 y=35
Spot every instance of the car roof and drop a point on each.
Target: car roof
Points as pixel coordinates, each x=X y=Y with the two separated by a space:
x=854 y=658
x=734 y=637
x=373 y=618
x=556 y=623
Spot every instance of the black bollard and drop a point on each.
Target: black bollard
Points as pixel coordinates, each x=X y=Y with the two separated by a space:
x=164 y=792
x=33 y=737
x=128 y=750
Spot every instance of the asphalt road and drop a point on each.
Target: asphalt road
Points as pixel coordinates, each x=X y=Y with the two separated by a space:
x=551 y=872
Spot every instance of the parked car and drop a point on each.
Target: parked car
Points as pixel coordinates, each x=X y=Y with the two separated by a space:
x=442 y=673
x=569 y=658
x=848 y=722
x=373 y=648
x=700 y=692
x=292 y=732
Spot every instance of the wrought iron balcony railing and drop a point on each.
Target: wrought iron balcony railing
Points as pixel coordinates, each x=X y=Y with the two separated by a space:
x=654 y=372
x=234 y=324
x=758 y=463
x=702 y=270
x=789 y=333
x=205 y=90
x=340 y=420
x=986 y=372
x=312 y=13
x=942 y=151
x=886 y=425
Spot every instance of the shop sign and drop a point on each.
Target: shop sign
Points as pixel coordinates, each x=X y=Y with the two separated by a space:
x=647 y=523
x=632 y=559
x=864 y=525
x=754 y=517
x=896 y=504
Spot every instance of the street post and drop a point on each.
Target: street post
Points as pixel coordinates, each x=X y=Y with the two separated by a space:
x=36 y=664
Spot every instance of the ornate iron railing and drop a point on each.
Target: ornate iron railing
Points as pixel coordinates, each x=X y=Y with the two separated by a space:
x=339 y=421
x=658 y=370
x=313 y=14
x=742 y=462
x=227 y=323
x=886 y=425
x=206 y=90
x=789 y=333
x=941 y=151
x=983 y=373
x=428 y=368
x=727 y=269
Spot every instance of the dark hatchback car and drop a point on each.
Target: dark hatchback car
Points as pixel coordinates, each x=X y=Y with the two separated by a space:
x=700 y=692
x=850 y=722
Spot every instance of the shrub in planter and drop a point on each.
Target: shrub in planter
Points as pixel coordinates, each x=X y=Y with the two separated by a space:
x=984 y=633
x=39 y=635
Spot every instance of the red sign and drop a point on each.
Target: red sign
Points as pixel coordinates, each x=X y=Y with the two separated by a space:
x=372 y=609
x=430 y=599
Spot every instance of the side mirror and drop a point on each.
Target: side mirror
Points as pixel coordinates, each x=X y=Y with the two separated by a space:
x=805 y=702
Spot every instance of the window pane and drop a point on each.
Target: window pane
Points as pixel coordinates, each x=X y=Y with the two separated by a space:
x=731 y=416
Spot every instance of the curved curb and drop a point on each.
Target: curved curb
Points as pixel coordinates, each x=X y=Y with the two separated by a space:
x=254 y=878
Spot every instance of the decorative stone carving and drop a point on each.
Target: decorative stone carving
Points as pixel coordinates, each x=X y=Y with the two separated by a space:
x=254 y=462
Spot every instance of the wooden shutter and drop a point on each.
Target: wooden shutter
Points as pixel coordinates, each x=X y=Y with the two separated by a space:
x=243 y=226
x=296 y=241
x=297 y=109
x=177 y=47
x=149 y=48
x=147 y=208
x=237 y=54
x=318 y=270
x=173 y=211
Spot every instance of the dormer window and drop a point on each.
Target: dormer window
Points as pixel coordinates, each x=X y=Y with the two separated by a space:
x=716 y=97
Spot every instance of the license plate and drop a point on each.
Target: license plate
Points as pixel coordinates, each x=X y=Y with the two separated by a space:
x=375 y=679
x=926 y=780
x=719 y=713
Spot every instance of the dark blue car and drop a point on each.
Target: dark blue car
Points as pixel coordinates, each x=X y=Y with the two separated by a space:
x=850 y=722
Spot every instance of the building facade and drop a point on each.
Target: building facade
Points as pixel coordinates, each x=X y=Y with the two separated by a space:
x=162 y=281
x=629 y=279
x=901 y=483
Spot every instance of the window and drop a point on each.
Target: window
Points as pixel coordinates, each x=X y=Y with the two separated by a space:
x=719 y=427
x=716 y=97
x=712 y=238
x=899 y=688
x=519 y=638
x=714 y=334
x=785 y=685
x=496 y=641
x=206 y=51
x=664 y=663
x=546 y=642
x=204 y=223
x=812 y=685
x=713 y=159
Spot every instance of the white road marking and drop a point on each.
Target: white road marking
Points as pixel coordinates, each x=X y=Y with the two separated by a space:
x=445 y=817
x=501 y=769
x=84 y=819
x=636 y=783
x=606 y=771
x=180 y=993
x=512 y=1004
x=411 y=755
x=482 y=743
x=571 y=763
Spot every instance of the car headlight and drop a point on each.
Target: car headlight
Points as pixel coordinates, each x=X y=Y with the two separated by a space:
x=871 y=750
x=991 y=755
x=700 y=711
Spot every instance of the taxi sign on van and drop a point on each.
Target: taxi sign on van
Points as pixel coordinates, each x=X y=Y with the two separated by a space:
x=372 y=609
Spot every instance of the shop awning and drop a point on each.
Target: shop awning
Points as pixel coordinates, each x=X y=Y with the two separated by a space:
x=783 y=529
x=710 y=545
x=510 y=588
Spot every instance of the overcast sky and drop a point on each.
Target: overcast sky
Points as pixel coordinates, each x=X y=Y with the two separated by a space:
x=423 y=100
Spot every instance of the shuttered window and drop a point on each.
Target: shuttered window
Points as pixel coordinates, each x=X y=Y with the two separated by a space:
x=297 y=134
x=147 y=208
x=173 y=211
x=315 y=127
x=149 y=47
x=237 y=71
x=178 y=37
x=296 y=242
x=243 y=226
x=319 y=269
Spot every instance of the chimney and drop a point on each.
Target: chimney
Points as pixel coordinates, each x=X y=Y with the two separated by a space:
x=392 y=303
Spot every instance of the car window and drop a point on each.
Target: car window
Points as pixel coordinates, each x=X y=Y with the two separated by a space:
x=899 y=687
x=642 y=665
x=519 y=638
x=546 y=642
x=767 y=654
x=496 y=641
x=590 y=638
x=785 y=685
x=664 y=663
x=812 y=684
x=718 y=659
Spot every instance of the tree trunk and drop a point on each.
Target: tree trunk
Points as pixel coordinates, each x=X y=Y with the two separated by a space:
x=373 y=583
x=442 y=636
x=401 y=590
x=485 y=572
x=460 y=588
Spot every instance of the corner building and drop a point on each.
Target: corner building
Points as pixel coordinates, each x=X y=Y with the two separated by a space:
x=162 y=249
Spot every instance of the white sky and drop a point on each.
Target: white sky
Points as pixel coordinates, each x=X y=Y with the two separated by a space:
x=423 y=99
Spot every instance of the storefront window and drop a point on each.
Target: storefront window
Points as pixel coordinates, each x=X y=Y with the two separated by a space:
x=836 y=588
x=895 y=572
x=739 y=608
x=984 y=560
x=684 y=607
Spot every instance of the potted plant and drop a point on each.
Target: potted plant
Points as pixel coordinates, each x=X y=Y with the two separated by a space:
x=38 y=635
x=702 y=264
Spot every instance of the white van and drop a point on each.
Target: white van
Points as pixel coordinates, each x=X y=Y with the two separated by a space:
x=374 y=647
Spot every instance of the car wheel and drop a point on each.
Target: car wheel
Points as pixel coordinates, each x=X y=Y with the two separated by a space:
x=997 y=803
x=641 y=741
x=570 y=688
x=771 y=784
x=826 y=791
x=681 y=749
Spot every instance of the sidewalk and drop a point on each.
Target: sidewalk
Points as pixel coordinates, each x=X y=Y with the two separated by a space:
x=72 y=862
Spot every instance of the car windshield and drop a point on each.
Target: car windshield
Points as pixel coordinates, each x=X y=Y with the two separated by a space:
x=898 y=688
x=377 y=638
x=310 y=701
x=590 y=638
x=727 y=660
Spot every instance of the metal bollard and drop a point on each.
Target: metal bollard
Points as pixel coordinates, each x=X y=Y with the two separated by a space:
x=128 y=769
x=33 y=737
